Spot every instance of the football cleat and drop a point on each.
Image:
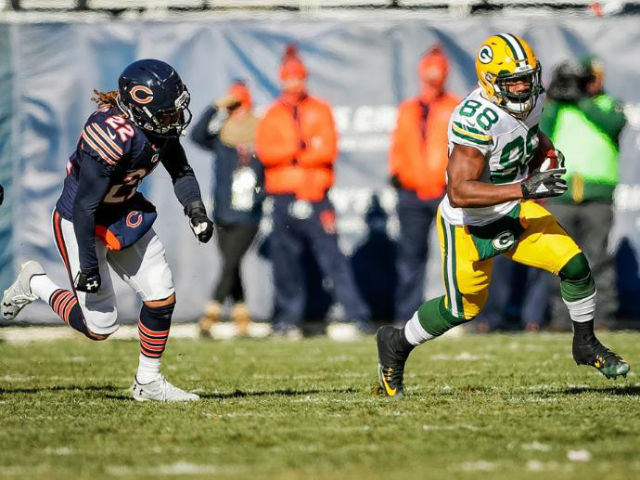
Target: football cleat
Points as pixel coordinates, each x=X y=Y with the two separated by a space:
x=19 y=295
x=391 y=360
x=595 y=354
x=160 y=390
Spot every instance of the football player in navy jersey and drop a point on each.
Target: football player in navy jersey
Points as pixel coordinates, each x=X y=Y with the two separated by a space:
x=101 y=221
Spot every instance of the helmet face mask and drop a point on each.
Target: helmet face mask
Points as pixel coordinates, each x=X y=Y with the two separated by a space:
x=509 y=74
x=519 y=103
x=153 y=96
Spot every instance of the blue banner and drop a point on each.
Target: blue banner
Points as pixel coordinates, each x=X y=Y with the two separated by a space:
x=364 y=68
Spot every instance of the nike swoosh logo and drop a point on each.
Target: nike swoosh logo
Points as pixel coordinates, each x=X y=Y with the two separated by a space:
x=111 y=135
x=390 y=391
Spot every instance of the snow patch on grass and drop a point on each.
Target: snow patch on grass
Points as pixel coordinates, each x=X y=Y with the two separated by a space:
x=536 y=446
x=173 y=469
x=461 y=426
x=460 y=357
x=479 y=466
x=579 y=455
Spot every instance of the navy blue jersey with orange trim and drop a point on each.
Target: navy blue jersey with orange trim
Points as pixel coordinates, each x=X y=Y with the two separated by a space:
x=112 y=157
x=122 y=147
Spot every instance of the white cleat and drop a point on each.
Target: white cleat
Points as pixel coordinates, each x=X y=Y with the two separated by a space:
x=160 y=390
x=19 y=295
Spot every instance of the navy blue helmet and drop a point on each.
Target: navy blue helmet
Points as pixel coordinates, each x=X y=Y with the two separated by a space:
x=152 y=94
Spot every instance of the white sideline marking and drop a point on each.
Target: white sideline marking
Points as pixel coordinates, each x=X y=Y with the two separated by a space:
x=479 y=466
x=178 y=468
x=22 y=335
x=461 y=426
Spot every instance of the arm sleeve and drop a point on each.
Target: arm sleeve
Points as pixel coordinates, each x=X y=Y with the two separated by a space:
x=272 y=146
x=322 y=148
x=185 y=185
x=93 y=186
x=201 y=133
x=606 y=114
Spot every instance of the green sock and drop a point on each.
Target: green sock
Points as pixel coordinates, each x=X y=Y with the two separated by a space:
x=435 y=318
x=576 y=281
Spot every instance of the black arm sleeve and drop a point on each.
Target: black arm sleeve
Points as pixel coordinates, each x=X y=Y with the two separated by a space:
x=93 y=186
x=184 y=180
x=200 y=133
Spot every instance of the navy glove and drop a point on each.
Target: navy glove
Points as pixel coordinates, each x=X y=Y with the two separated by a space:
x=200 y=224
x=87 y=281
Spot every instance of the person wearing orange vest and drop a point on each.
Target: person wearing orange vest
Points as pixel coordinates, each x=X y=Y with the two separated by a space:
x=418 y=160
x=296 y=141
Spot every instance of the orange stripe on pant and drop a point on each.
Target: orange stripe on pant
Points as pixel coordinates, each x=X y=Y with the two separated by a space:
x=62 y=248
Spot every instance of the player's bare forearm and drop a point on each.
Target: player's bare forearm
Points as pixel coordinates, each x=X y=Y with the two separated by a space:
x=464 y=187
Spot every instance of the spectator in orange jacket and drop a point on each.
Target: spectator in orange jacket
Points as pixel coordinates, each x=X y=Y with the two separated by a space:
x=418 y=160
x=296 y=141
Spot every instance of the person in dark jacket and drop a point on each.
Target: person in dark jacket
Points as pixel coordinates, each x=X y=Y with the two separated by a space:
x=227 y=128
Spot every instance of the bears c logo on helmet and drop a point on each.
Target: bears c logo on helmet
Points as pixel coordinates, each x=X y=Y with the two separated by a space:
x=141 y=94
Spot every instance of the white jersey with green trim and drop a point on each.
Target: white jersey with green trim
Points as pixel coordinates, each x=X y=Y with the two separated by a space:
x=507 y=144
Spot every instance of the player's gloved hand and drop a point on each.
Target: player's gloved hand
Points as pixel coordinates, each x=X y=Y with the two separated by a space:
x=198 y=221
x=544 y=184
x=87 y=281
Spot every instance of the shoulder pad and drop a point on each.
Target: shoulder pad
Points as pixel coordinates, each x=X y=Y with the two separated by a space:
x=108 y=134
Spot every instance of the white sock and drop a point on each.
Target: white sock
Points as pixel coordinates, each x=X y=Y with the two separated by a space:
x=582 y=310
x=148 y=369
x=414 y=332
x=43 y=287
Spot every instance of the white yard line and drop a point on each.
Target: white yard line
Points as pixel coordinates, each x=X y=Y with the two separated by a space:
x=23 y=335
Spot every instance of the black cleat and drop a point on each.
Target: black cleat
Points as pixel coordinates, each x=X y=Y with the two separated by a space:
x=592 y=352
x=393 y=351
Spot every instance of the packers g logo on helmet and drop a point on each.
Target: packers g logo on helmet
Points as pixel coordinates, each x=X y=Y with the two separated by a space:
x=485 y=54
x=503 y=59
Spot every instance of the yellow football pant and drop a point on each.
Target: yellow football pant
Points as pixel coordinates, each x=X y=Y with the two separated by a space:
x=544 y=244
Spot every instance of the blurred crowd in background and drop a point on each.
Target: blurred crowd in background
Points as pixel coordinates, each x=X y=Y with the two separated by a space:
x=288 y=153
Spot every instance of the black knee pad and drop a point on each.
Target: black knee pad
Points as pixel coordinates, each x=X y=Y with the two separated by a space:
x=157 y=318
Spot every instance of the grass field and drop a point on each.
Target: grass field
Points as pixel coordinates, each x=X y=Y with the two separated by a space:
x=499 y=407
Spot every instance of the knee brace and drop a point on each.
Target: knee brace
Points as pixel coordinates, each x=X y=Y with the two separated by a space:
x=576 y=281
x=153 y=327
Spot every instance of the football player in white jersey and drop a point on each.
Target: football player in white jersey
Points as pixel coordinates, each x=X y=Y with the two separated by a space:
x=499 y=162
